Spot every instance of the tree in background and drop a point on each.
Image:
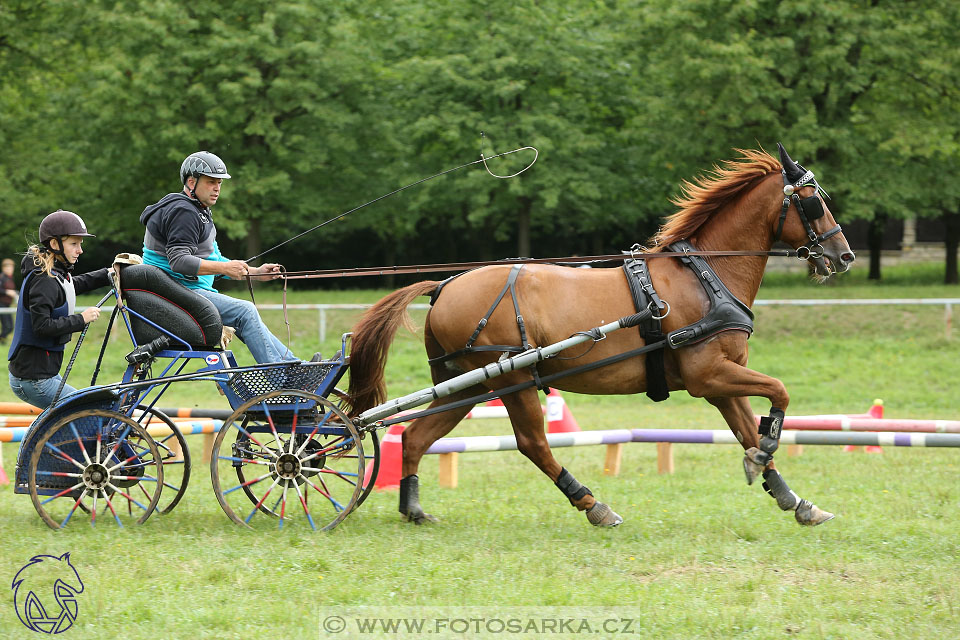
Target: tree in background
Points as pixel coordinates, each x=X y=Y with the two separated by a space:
x=276 y=89
x=41 y=55
x=318 y=106
x=546 y=75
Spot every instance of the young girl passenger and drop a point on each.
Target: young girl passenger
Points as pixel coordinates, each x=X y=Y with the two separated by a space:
x=45 y=311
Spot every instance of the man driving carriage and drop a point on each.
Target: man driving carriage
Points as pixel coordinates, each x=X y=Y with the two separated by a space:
x=181 y=239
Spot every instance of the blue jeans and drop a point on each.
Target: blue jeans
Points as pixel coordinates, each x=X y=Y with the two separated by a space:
x=39 y=393
x=244 y=317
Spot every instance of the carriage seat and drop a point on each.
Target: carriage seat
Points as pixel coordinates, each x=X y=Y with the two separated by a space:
x=184 y=313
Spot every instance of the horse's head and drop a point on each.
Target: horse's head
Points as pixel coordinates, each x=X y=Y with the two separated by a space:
x=805 y=221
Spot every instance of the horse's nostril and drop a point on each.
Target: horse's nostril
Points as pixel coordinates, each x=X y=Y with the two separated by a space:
x=847 y=257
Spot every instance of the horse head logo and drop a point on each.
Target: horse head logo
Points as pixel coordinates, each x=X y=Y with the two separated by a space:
x=45 y=593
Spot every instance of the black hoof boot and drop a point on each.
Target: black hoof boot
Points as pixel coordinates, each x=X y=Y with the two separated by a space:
x=410 y=501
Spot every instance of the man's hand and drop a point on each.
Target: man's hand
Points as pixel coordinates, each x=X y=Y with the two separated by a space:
x=236 y=269
x=90 y=314
x=269 y=271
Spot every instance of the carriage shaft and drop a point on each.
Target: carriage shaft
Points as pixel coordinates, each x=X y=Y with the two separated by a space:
x=493 y=370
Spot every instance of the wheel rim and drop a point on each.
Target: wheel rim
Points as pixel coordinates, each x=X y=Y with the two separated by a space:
x=100 y=463
x=373 y=460
x=175 y=454
x=371 y=453
x=299 y=461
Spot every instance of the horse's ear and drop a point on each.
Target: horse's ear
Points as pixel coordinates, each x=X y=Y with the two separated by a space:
x=794 y=172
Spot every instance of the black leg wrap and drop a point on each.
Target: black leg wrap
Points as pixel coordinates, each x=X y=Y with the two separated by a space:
x=571 y=487
x=409 y=493
x=769 y=430
x=774 y=485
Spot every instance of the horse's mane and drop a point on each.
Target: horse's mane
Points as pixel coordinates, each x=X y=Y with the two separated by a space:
x=704 y=196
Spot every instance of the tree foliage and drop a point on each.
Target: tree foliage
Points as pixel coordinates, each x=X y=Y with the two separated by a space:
x=319 y=106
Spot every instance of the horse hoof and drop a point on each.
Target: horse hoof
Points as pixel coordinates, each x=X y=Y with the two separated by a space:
x=754 y=462
x=809 y=514
x=601 y=515
x=420 y=517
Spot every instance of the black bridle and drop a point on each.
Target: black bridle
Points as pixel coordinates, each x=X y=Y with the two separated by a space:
x=809 y=209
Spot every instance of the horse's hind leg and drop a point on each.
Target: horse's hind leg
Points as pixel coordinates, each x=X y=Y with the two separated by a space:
x=417 y=438
x=526 y=416
x=739 y=416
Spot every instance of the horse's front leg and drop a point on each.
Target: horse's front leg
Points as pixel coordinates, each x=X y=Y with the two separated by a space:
x=526 y=416
x=727 y=384
x=739 y=417
x=738 y=414
x=728 y=389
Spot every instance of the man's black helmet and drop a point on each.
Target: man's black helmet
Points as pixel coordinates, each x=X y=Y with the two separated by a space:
x=62 y=223
x=202 y=163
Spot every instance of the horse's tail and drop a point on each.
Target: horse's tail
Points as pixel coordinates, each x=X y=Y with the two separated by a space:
x=372 y=336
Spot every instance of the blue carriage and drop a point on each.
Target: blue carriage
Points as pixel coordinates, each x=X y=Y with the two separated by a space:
x=287 y=451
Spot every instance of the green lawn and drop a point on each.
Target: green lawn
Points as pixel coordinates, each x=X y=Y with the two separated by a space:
x=700 y=553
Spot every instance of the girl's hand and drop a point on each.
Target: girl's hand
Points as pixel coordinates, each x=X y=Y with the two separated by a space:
x=90 y=314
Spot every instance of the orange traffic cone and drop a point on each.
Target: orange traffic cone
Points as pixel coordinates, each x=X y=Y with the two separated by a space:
x=4 y=480
x=559 y=418
x=496 y=402
x=876 y=411
x=391 y=457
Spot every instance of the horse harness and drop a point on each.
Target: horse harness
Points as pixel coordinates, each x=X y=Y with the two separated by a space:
x=809 y=209
x=511 y=286
x=726 y=313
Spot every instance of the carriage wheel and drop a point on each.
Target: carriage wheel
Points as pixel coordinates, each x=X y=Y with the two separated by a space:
x=368 y=485
x=242 y=442
x=373 y=455
x=374 y=460
x=304 y=455
x=175 y=454
x=100 y=462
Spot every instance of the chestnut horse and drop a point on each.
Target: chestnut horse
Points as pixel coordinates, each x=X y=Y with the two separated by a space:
x=737 y=207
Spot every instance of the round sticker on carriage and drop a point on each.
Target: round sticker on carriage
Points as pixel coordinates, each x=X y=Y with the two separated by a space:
x=212 y=358
x=45 y=594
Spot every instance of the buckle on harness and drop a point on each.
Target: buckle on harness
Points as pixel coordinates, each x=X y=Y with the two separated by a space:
x=665 y=314
x=678 y=338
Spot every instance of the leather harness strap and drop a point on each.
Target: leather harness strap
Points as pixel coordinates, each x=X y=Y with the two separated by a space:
x=645 y=297
x=726 y=311
x=511 y=286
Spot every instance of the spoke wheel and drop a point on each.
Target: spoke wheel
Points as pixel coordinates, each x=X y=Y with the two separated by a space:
x=372 y=452
x=100 y=463
x=175 y=454
x=287 y=458
x=373 y=459
x=242 y=444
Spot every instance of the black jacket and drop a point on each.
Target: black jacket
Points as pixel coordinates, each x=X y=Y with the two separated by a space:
x=41 y=296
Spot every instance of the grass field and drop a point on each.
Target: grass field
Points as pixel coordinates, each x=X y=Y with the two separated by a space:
x=700 y=553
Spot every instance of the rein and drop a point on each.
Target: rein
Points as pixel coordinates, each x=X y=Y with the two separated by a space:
x=571 y=260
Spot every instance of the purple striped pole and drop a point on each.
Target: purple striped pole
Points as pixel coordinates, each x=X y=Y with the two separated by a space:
x=694 y=436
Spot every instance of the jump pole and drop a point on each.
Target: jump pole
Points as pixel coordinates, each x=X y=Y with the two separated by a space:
x=450 y=447
x=208 y=428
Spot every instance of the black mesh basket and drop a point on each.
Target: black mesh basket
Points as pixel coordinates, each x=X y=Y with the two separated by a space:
x=302 y=376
